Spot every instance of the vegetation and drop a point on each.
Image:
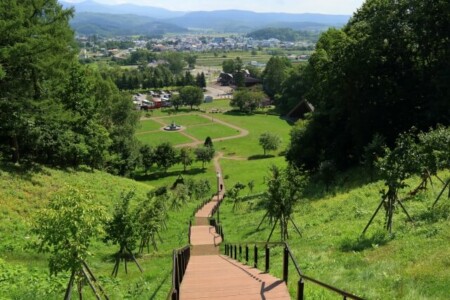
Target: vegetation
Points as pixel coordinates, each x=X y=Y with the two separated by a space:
x=283 y=34
x=246 y=100
x=372 y=70
x=269 y=142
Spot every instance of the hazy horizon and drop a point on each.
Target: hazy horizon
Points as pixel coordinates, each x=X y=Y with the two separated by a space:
x=341 y=7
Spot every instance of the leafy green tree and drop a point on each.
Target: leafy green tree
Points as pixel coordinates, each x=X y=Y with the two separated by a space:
x=284 y=188
x=327 y=173
x=176 y=101
x=204 y=154
x=189 y=79
x=228 y=66
x=148 y=158
x=185 y=157
x=122 y=230
x=191 y=96
x=151 y=214
x=65 y=230
x=202 y=188
x=175 y=60
x=269 y=142
x=374 y=150
x=191 y=60
x=275 y=73
x=247 y=101
x=165 y=156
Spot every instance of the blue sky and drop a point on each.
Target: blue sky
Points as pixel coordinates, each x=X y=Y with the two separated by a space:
x=291 y=6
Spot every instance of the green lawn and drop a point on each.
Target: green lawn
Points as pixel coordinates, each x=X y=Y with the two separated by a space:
x=185 y=120
x=156 y=138
x=256 y=125
x=213 y=130
x=148 y=125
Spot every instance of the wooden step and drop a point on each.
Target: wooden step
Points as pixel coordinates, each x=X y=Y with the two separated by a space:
x=219 y=277
x=205 y=250
x=204 y=235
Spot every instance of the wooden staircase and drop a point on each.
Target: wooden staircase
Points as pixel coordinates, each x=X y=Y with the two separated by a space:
x=210 y=275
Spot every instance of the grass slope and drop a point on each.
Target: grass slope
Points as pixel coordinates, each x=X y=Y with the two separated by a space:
x=24 y=273
x=412 y=265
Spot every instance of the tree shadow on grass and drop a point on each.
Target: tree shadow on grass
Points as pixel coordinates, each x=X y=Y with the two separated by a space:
x=154 y=295
x=260 y=156
x=24 y=171
x=361 y=243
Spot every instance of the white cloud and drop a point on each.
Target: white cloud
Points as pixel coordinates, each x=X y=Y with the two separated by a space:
x=292 y=6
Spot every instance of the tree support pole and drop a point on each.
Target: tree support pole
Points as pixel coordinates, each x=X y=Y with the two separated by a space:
x=373 y=216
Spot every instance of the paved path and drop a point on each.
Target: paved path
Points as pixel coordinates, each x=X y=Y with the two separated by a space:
x=213 y=276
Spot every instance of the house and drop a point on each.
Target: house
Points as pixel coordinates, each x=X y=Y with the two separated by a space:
x=299 y=111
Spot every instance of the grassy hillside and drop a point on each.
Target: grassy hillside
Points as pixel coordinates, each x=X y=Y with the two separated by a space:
x=24 y=273
x=413 y=264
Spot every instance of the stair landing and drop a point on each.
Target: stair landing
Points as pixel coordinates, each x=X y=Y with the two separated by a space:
x=219 y=277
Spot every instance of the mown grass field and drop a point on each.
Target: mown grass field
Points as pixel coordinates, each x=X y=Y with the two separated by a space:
x=156 y=138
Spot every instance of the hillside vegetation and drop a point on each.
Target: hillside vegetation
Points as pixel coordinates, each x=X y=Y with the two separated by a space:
x=24 y=273
x=412 y=264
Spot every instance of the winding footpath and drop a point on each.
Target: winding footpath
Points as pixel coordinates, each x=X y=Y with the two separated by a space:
x=210 y=275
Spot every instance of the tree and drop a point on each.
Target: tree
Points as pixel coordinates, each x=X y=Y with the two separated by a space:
x=228 y=66
x=151 y=214
x=65 y=229
x=191 y=96
x=176 y=101
x=371 y=70
x=185 y=157
x=247 y=101
x=275 y=74
x=175 y=60
x=204 y=154
x=35 y=55
x=191 y=60
x=165 y=156
x=208 y=142
x=269 y=142
x=147 y=157
x=200 y=80
x=284 y=188
x=122 y=230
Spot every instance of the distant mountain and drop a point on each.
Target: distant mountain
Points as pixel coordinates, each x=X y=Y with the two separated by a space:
x=147 y=11
x=238 y=21
x=108 y=25
x=242 y=21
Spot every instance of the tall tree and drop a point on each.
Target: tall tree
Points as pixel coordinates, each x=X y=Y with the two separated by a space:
x=204 y=154
x=36 y=50
x=191 y=95
x=165 y=156
x=185 y=157
x=275 y=74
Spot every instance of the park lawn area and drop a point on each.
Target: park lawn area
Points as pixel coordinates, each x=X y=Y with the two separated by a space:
x=148 y=125
x=412 y=264
x=213 y=130
x=156 y=138
x=256 y=125
x=185 y=120
x=244 y=171
x=220 y=104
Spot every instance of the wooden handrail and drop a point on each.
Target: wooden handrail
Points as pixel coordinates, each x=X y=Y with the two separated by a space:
x=288 y=254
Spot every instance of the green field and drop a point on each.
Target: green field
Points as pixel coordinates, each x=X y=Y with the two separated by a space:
x=156 y=138
x=148 y=125
x=213 y=130
x=185 y=120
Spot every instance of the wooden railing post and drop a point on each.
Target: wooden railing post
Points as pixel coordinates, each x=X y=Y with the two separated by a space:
x=267 y=258
x=240 y=252
x=300 y=289
x=285 y=264
x=246 y=253
x=235 y=252
x=256 y=257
